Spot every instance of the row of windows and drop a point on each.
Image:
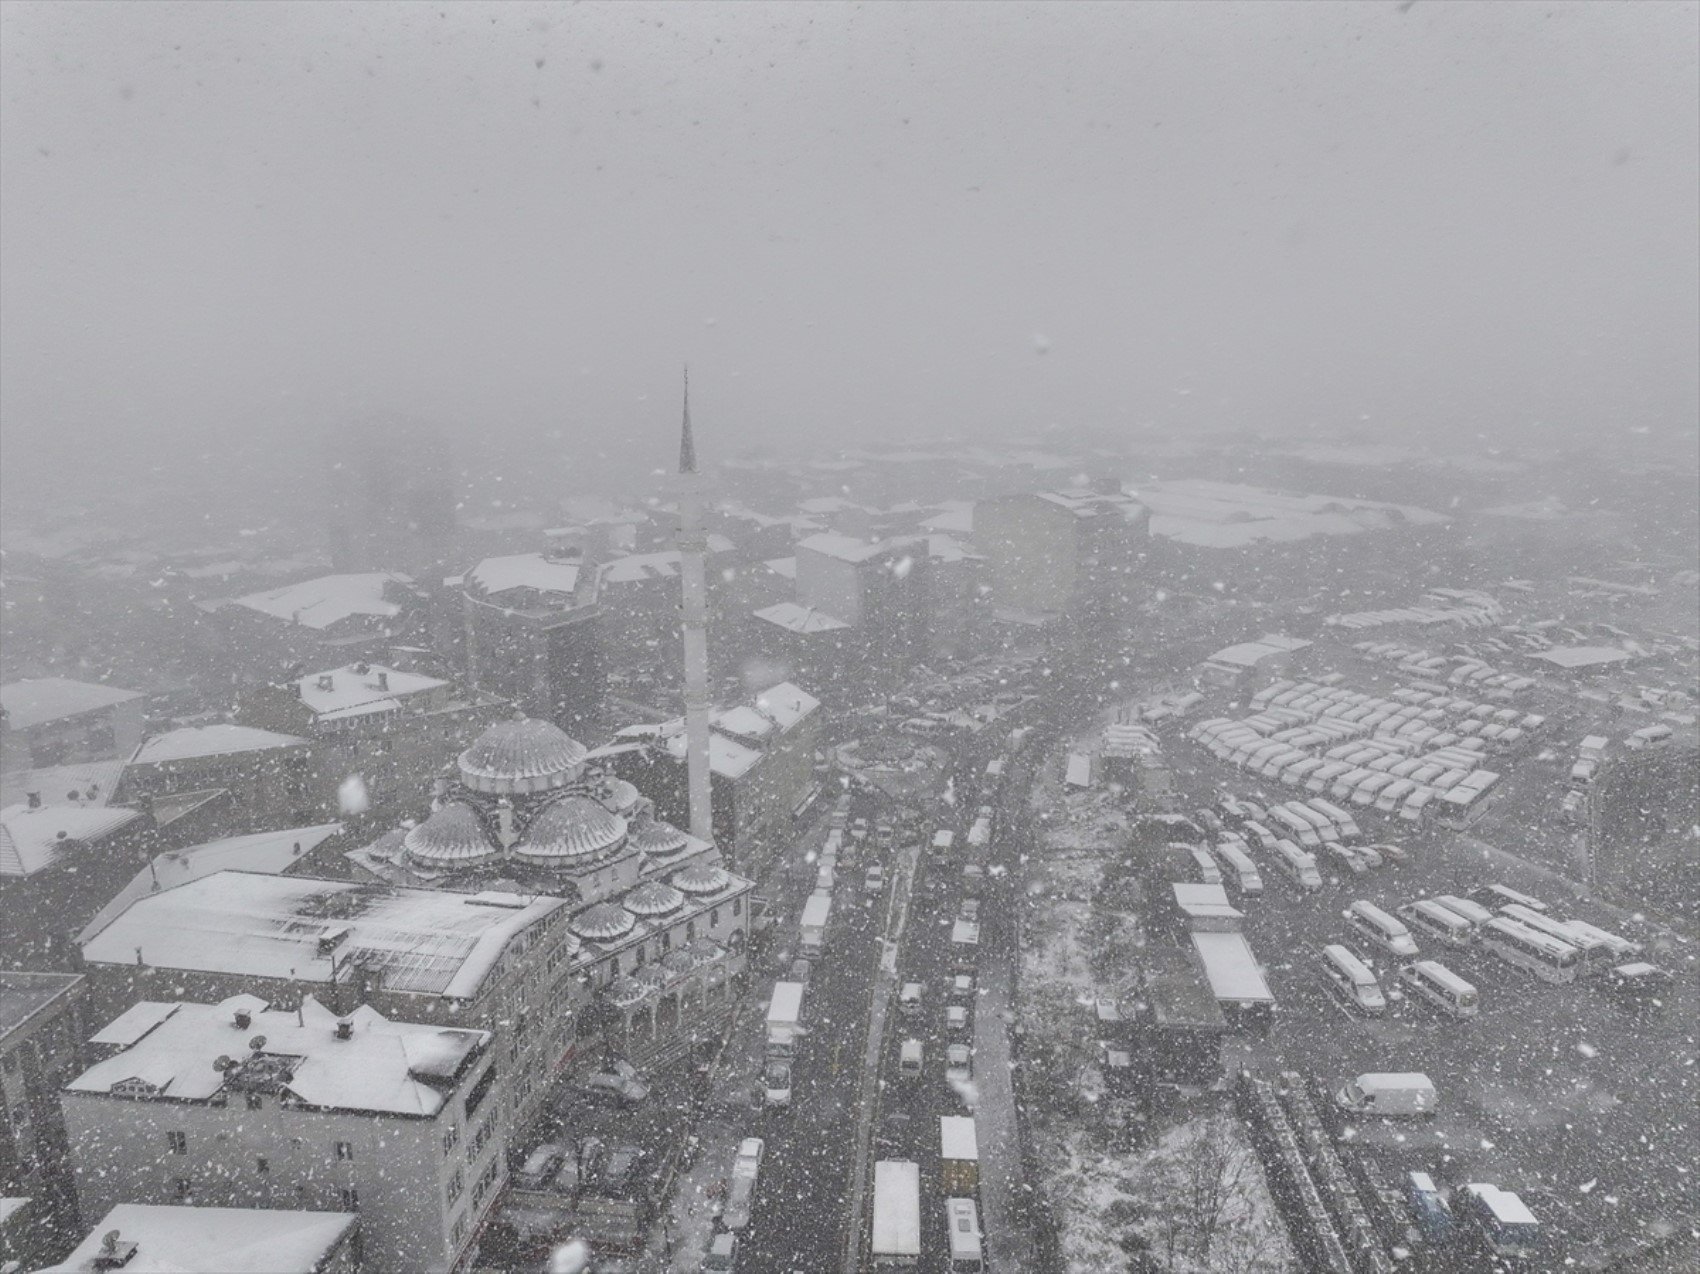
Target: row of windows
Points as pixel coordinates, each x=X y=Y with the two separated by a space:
x=184 y=1188
x=177 y=1143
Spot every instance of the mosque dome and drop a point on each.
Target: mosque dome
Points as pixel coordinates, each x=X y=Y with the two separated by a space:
x=521 y=755
x=572 y=827
x=451 y=837
x=653 y=898
x=602 y=922
x=702 y=878
x=627 y=992
x=658 y=838
x=620 y=796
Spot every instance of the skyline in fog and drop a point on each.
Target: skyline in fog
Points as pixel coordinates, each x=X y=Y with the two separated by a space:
x=1443 y=224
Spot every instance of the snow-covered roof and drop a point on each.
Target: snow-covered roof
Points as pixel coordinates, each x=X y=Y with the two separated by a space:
x=774 y=711
x=328 y=600
x=246 y=923
x=1583 y=656
x=350 y=688
x=635 y=568
x=1231 y=968
x=957 y=1139
x=32 y=840
x=946 y=548
x=384 y=1067
x=23 y=995
x=200 y=1240
x=1211 y=514
x=38 y=700
x=799 y=619
x=845 y=548
x=88 y=784
x=957 y=518
x=496 y=575
x=191 y=742
x=1248 y=654
x=785 y=566
x=272 y=852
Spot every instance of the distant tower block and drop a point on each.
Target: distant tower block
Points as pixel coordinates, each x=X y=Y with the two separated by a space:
x=693 y=548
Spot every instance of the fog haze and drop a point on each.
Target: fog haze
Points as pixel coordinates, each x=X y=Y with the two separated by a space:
x=1459 y=223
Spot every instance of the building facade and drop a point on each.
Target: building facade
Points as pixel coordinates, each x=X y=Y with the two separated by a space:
x=41 y=1031
x=234 y=1103
x=49 y=721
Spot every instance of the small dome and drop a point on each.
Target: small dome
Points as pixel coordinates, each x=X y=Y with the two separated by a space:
x=521 y=755
x=602 y=922
x=450 y=837
x=627 y=992
x=620 y=796
x=680 y=961
x=703 y=878
x=572 y=827
x=659 y=839
x=653 y=898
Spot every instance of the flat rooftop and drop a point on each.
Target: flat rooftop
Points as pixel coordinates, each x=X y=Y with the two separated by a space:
x=23 y=995
x=191 y=1240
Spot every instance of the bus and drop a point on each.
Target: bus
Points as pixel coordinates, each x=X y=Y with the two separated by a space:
x=963 y=1219
x=1621 y=947
x=1345 y=822
x=1438 y=921
x=1350 y=980
x=1596 y=955
x=1499 y=895
x=1474 y=912
x=1441 y=987
x=1376 y=926
x=1239 y=868
x=1530 y=950
x=897 y=1214
x=1298 y=828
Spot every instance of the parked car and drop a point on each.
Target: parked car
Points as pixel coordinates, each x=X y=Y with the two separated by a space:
x=776 y=1083
x=722 y=1255
x=618 y=1083
x=958 y=1065
x=876 y=879
x=800 y=970
x=956 y=1018
x=540 y=1166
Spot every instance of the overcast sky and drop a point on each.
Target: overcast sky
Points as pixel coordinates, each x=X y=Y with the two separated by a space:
x=1449 y=220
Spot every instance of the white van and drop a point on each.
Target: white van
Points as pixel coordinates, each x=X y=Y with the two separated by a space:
x=943 y=841
x=1297 y=866
x=1407 y=1095
x=1474 y=912
x=1438 y=921
x=1441 y=987
x=1351 y=981
x=1238 y=867
x=1377 y=927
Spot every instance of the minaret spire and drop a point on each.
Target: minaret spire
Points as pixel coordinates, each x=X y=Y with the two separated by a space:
x=687 y=445
x=693 y=549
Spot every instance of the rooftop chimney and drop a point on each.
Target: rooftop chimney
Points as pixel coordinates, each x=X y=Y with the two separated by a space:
x=383 y=680
x=326 y=681
x=244 y=1019
x=345 y=1030
x=35 y=800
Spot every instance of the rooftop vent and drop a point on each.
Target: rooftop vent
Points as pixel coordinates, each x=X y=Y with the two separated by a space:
x=362 y=668
x=383 y=680
x=327 y=681
x=244 y=1019
x=115 y=1252
x=345 y=1030
x=35 y=800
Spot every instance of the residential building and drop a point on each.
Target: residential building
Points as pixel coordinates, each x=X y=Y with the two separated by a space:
x=144 y=1238
x=639 y=596
x=41 y=1030
x=302 y=1110
x=58 y=864
x=761 y=758
x=534 y=635
x=390 y=727
x=1053 y=555
x=267 y=774
x=48 y=721
x=334 y=619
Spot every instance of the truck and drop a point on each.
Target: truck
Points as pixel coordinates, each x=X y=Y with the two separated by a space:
x=964 y=944
x=816 y=912
x=959 y=1155
x=897 y=1214
x=784 y=1016
x=1499 y=1219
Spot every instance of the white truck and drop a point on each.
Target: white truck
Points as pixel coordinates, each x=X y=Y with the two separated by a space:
x=816 y=912
x=1396 y=1096
x=784 y=1018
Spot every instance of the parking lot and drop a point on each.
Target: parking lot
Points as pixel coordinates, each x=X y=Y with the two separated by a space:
x=1556 y=1091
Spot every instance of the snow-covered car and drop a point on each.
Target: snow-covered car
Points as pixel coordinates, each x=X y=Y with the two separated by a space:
x=746 y=1171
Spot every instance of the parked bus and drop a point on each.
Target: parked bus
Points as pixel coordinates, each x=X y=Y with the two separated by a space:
x=1239 y=868
x=1438 y=921
x=1260 y=833
x=1381 y=929
x=1621 y=947
x=963 y=1219
x=1340 y=818
x=1350 y=980
x=1297 y=866
x=1596 y=955
x=1499 y=895
x=897 y=1214
x=1530 y=950
x=1297 y=828
x=1474 y=912
x=1441 y=987
x=1320 y=823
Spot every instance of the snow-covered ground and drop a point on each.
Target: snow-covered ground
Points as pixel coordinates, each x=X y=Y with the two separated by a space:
x=1196 y=1201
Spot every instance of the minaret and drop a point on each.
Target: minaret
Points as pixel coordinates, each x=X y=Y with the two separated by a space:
x=693 y=547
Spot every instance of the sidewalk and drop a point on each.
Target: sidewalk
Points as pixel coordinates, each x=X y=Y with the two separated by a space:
x=1009 y=1245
